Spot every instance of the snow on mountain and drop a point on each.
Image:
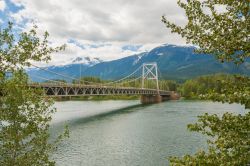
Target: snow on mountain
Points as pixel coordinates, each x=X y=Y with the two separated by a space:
x=86 y=61
x=138 y=58
x=72 y=69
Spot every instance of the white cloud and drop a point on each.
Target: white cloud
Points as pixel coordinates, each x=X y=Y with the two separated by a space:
x=117 y=23
x=105 y=52
x=2 y=5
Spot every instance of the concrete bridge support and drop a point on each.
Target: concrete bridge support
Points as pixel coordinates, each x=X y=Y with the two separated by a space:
x=166 y=97
x=150 y=99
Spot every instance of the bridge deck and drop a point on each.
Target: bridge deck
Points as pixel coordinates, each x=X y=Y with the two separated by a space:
x=96 y=90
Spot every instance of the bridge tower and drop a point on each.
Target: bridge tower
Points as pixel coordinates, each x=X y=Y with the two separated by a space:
x=150 y=72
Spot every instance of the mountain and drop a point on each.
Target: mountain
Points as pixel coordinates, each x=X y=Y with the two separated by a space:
x=73 y=70
x=174 y=62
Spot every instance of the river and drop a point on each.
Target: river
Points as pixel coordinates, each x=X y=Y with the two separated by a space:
x=125 y=133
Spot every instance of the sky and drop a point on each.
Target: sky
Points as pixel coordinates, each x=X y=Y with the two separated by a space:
x=105 y=29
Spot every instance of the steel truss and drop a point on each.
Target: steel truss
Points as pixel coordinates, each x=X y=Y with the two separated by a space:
x=85 y=90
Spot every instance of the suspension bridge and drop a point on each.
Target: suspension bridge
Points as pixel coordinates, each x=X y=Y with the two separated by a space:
x=135 y=83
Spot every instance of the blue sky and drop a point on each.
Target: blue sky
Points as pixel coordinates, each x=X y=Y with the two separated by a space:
x=104 y=29
x=8 y=7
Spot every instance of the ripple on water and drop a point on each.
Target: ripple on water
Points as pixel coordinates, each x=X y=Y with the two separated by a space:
x=114 y=133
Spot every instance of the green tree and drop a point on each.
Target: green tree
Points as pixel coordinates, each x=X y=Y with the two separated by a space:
x=223 y=34
x=229 y=143
x=25 y=114
x=234 y=89
x=219 y=87
x=226 y=35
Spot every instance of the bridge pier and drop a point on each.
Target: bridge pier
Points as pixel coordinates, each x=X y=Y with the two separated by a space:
x=166 y=97
x=150 y=99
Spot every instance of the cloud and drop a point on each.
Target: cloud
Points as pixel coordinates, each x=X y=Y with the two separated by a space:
x=110 y=25
x=104 y=51
x=137 y=21
x=2 y=5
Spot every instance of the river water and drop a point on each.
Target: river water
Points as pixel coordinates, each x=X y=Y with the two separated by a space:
x=125 y=133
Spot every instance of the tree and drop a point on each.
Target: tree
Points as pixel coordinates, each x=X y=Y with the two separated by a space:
x=229 y=143
x=232 y=90
x=25 y=114
x=226 y=35
x=218 y=87
x=223 y=34
x=89 y=80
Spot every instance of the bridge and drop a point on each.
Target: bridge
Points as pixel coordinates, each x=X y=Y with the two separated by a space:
x=78 y=87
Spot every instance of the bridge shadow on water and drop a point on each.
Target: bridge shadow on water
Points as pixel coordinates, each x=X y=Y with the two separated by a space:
x=101 y=116
x=58 y=128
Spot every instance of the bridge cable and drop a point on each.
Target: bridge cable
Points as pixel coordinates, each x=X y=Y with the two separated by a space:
x=63 y=75
x=73 y=78
x=130 y=80
x=49 y=80
x=162 y=77
x=125 y=77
